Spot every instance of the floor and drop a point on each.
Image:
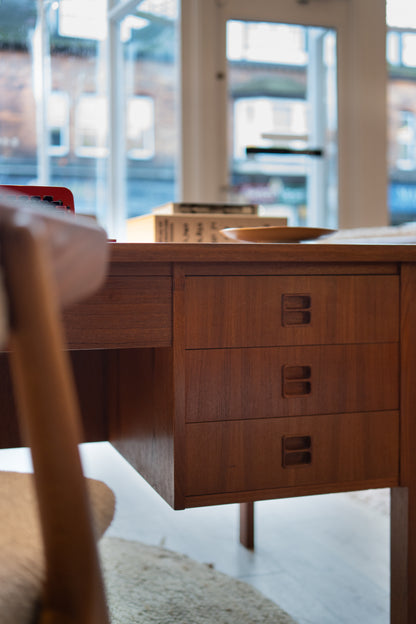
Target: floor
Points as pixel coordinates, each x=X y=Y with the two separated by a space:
x=325 y=559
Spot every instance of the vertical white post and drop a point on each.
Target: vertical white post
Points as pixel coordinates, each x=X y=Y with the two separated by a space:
x=41 y=89
x=363 y=116
x=203 y=117
x=315 y=167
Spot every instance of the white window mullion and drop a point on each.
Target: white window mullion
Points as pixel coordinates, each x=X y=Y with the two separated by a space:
x=41 y=88
x=116 y=217
x=201 y=116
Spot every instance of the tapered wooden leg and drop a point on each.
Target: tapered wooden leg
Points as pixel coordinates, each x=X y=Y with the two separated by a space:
x=247 y=525
x=403 y=499
x=403 y=560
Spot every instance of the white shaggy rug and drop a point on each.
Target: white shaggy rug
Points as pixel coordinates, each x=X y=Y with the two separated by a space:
x=152 y=585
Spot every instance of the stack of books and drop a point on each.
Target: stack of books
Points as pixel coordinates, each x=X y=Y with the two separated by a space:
x=182 y=222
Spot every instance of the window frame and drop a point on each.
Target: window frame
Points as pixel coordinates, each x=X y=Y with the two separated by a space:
x=362 y=58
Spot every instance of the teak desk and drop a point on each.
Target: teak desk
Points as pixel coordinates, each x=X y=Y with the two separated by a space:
x=236 y=372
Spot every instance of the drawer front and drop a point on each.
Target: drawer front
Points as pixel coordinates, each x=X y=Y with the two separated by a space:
x=262 y=454
x=234 y=384
x=249 y=311
x=134 y=311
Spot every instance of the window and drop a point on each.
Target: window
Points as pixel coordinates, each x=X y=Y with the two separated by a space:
x=251 y=41
x=401 y=13
x=406 y=141
x=146 y=98
x=58 y=123
x=401 y=57
x=409 y=49
x=393 y=48
x=81 y=19
x=60 y=59
x=140 y=130
x=260 y=121
x=91 y=126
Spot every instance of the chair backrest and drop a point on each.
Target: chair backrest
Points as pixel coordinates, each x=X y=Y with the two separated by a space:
x=50 y=259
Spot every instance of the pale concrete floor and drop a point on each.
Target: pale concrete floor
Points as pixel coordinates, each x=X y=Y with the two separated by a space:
x=325 y=559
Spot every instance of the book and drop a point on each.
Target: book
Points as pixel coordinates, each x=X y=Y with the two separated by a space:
x=191 y=228
x=205 y=208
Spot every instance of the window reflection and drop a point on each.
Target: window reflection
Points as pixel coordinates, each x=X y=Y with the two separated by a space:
x=140 y=127
x=91 y=126
x=58 y=123
x=150 y=92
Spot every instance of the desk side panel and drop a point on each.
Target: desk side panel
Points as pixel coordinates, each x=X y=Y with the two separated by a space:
x=90 y=374
x=141 y=414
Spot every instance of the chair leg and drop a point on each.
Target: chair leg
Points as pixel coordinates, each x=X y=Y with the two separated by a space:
x=247 y=525
x=46 y=396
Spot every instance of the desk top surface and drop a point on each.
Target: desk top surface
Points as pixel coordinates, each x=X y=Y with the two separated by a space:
x=248 y=252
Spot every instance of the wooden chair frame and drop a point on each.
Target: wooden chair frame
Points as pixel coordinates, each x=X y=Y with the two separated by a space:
x=49 y=260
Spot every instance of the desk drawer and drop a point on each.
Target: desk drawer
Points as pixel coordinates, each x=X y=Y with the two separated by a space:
x=249 y=311
x=129 y=311
x=273 y=453
x=234 y=384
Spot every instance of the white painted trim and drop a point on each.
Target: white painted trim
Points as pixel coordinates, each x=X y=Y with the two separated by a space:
x=200 y=111
x=362 y=77
x=120 y=10
x=116 y=217
x=42 y=85
x=363 y=106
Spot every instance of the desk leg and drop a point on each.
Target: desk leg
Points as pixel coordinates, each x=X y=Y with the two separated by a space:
x=403 y=499
x=403 y=555
x=247 y=525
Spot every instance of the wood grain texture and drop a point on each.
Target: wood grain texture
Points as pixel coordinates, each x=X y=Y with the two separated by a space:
x=295 y=253
x=141 y=414
x=232 y=384
x=76 y=246
x=403 y=500
x=91 y=382
x=129 y=311
x=179 y=384
x=11 y=436
x=247 y=455
x=260 y=267
x=247 y=525
x=226 y=498
x=241 y=311
x=139 y=268
x=90 y=370
x=48 y=410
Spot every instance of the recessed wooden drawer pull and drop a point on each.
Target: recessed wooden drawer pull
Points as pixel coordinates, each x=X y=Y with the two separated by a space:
x=296 y=310
x=296 y=381
x=296 y=451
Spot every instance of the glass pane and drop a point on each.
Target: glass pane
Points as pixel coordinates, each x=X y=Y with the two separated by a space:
x=401 y=13
x=77 y=104
x=149 y=41
x=402 y=141
x=18 y=140
x=283 y=120
x=401 y=111
x=52 y=102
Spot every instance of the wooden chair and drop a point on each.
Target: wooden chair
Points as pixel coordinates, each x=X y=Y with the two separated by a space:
x=48 y=260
